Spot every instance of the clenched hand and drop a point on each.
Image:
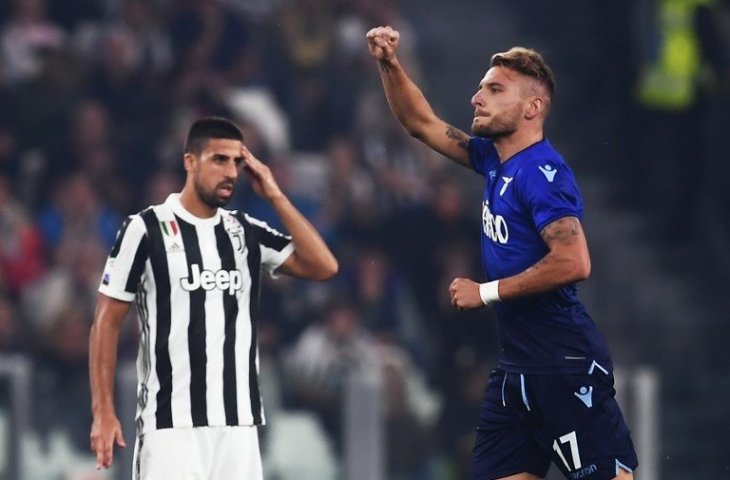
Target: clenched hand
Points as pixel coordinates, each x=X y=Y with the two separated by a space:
x=382 y=42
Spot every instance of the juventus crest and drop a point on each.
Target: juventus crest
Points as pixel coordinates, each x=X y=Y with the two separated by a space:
x=235 y=230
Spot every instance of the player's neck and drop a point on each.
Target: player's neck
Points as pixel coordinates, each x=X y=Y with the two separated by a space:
x=192 y=203
x=509 y=146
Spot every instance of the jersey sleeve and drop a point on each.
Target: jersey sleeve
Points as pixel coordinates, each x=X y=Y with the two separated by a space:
x=550 y=192
x=275 y=246
x=481 y=154
x=125 y=263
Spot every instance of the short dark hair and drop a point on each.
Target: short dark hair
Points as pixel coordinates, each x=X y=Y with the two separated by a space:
x=528 y=62
x=207 y=128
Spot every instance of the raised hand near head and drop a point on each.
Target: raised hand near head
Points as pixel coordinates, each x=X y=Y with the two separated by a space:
x=260 y=176
x=382 y=42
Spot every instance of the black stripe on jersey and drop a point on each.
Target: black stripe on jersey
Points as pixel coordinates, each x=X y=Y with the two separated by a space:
x=135 y=273
x=270 y=239
x=120 y=237
x=254 y=267
x=230 y=313
x=196 y=329
x=158 y=259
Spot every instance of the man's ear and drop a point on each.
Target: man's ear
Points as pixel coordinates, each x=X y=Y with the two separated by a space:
x=189 y=161
x=535 y=107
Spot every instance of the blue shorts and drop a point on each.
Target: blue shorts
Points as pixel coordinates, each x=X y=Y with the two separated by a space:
x=573 y=420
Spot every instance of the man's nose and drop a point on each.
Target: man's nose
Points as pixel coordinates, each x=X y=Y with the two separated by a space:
x=232 y=170
x=476 y=100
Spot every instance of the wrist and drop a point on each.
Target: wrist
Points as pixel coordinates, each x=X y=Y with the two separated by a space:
x=489 y=292
x=276 y=197
x=103 y=410
x=387 y=63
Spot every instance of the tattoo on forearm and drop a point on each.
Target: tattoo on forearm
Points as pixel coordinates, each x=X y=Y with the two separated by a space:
x=457 y=134
x=384 y=67
x=563 y=230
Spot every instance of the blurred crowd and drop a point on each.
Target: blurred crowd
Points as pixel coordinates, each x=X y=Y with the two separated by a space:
x=96 y=97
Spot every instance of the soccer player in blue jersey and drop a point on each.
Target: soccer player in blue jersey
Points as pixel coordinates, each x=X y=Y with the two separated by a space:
x=551 y=396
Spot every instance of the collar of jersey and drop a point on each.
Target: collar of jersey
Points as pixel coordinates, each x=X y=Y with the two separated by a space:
x=529 y=151
x=174 y=202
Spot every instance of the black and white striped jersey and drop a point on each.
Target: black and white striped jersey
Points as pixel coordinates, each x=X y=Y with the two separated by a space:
x=196 y=283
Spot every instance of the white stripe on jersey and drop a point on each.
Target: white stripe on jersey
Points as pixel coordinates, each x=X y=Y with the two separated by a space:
x=177 y=267
x=214 y=330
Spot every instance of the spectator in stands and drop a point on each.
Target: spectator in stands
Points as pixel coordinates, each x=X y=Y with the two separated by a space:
x=24 y=37
x=13 y=334
x=318 y=364
x=22 y=257
x=77 y=212
x=71 y=281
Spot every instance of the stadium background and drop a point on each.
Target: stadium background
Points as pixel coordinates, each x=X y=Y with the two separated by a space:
x=95 y=100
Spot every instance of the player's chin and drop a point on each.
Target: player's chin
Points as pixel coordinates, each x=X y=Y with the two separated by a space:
x=479 y=129
x=218 y=200
x=222 y=200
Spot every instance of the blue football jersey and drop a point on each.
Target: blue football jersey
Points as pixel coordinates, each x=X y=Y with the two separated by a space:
x=550 y=332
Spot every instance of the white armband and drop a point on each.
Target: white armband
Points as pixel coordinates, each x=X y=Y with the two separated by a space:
x=489 y=292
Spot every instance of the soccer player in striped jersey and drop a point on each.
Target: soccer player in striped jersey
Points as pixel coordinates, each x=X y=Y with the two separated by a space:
x=193 y=269
x=551 y=396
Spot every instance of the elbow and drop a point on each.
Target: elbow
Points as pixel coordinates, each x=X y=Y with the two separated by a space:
x=582 y=269
x=575 y=268
x=331 y=270
x=328 y=270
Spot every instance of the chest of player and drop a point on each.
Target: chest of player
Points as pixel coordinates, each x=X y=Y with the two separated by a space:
x=503 y=215
x=510 y=241
x=206 y=258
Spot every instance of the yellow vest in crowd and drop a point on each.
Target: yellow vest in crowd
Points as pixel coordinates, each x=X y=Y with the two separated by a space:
x=671 y=81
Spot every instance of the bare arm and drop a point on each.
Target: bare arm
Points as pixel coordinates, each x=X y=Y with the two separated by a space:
x=105 y=429
x=408 y=103
x=566 y=262
x=311 y=258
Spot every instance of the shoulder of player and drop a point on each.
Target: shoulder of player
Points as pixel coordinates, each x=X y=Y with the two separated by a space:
x=136 y=221
x=244 y=219
x=236 y=215
x=151 y=215
x=542 y=166
x=482 y=147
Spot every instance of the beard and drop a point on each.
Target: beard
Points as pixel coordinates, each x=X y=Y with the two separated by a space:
x=502 y=125
x=211 y=197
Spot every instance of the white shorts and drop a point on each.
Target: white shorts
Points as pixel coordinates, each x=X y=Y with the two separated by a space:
x=200 y=453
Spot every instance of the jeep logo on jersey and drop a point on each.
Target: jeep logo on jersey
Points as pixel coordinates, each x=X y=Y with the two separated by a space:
x=495 y=228
x=230 y=280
